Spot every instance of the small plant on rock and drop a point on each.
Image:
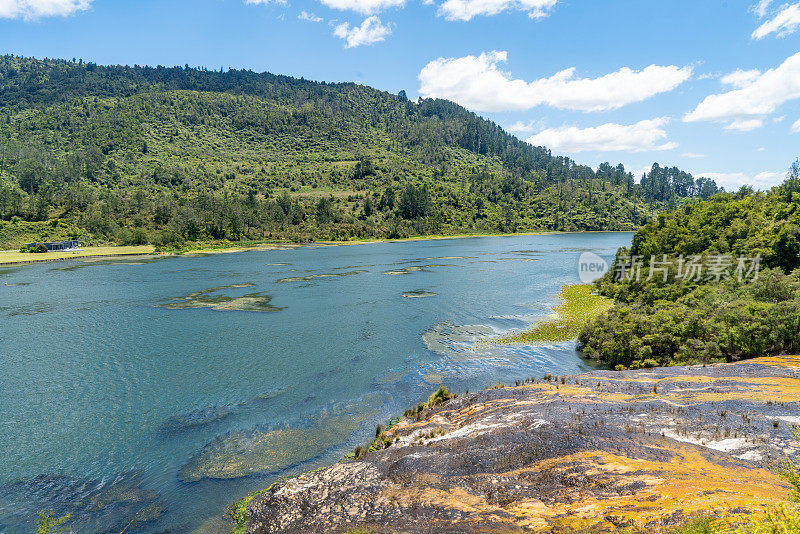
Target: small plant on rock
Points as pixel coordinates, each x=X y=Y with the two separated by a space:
x=440 y=397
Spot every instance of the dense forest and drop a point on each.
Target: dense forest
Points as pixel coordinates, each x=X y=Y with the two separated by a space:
x=134 y=155
x=715 y=280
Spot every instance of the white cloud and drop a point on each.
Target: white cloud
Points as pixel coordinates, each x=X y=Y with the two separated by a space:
x=741 y=78
x=370 y=32
x=638 y=172
x=796 y=127
x=760 y=9
x=762 y=97
x=784 y=23
x=745 y=125
x=366 y=7
x=693 y=155
x=310 y=17
x=520 y=126
x=467 y=9
x=35 y=9
x=640 y=137
x=478 y=83
x=262 y=2
x=732 y=181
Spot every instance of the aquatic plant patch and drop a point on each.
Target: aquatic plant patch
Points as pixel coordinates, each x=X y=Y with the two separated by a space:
x=264 y=450
x=315 y=276
x=99 y=505
x=579 y=305
x=252 y=302
x=416 y=268
x=418 y=294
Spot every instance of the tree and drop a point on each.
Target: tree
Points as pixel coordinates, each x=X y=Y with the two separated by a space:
x=787 y=248
x=414 y=202
x=368 y=205
x=324 y=211
x=30 y=175
x=387 y=199
x=285 y=202
x=363 y=168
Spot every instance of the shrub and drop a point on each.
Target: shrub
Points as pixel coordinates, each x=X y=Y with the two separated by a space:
x=167 y=238
x=440 y=396
x=782 y=519
x=789 y=469
x=701 y=525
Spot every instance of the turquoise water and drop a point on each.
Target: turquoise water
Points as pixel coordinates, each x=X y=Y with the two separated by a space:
x=126 y=384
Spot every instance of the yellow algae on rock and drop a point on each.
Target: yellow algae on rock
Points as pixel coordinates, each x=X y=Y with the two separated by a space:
x=637 y=451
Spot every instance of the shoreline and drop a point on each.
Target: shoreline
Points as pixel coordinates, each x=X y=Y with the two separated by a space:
x=592 y=460
x=10 y=258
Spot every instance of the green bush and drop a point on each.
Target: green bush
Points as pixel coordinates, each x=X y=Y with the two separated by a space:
x=789 y=469
x=440 y=396
x=702 y=525
x=782 y=519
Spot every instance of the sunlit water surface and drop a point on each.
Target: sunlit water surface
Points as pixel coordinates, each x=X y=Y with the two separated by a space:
x=153 y=392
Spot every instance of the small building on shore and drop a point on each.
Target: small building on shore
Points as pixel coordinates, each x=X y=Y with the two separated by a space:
x=55 y=245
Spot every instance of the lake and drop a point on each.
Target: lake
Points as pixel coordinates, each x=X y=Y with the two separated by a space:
x=150 y=393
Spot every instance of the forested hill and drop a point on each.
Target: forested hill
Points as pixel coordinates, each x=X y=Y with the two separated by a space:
x=168 y=155
x=717 y=280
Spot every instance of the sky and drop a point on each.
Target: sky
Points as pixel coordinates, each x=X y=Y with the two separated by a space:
x=710 y=86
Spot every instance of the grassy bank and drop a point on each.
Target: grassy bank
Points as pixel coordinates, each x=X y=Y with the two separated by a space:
x=14 y=256
x=219 y=247
x=579 y=305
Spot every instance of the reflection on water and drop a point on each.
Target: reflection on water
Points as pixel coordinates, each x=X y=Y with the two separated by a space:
x=196 y=409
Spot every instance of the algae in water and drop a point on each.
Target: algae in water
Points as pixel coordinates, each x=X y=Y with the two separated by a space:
x=252 y=302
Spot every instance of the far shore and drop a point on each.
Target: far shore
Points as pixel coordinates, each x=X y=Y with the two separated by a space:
x=15 y=257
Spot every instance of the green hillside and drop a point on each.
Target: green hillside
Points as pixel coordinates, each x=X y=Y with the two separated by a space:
x=719 y=281
x=134 y=155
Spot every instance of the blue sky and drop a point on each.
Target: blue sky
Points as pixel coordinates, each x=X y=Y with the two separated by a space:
x=711 y=86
